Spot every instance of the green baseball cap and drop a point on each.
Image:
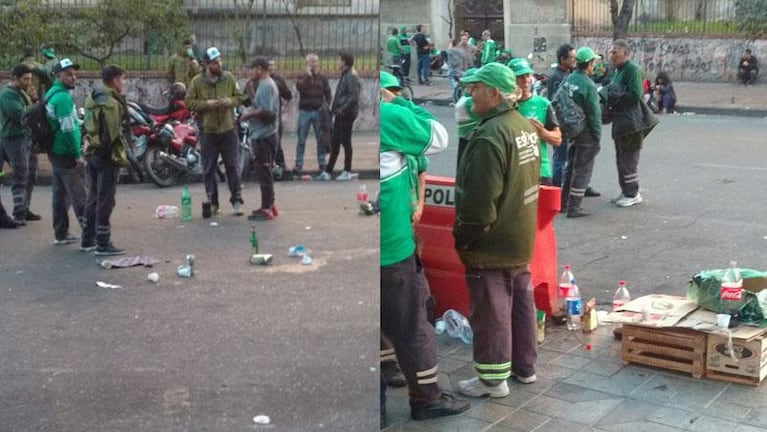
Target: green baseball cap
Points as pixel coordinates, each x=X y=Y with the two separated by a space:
x=403 y=29
x=520 y=66
x=585 y=55
x=493 y=75
x=469 y=72
x=48 y=52
x=388 y=81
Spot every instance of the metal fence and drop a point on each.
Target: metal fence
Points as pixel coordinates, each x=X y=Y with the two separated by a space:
x=285 y=30
x=699 y=17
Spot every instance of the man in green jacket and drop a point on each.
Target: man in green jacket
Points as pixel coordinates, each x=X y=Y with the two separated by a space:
x=404 y=41
x=488 y=48
x=66 y=158
x=41 y=81
x=213 y=94
x=496 y=205
x=407 y=132
x=105 y=124
x=15 y=143
x=628 y=140
x=584 y=147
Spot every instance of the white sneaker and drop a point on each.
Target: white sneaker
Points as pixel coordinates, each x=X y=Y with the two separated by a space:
x=237 y=208
x=616 y=199
x=323 y=176
x=344 y=176
x=526 y=380
x=628 y=202
x=474 y=387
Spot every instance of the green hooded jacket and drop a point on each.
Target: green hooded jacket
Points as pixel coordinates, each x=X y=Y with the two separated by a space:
x=13 y=104
x=62 y=117
x=111 y=104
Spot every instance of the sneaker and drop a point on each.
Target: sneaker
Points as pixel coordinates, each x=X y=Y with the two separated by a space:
x=69 y=239
x=629 y=201
x=616 y=199
x=237 y=208
x=591 y=192
x=33 y=216
x=446 y=405
x=109 y=250
x=19 y=222
x=87 y=248
x=577 y=213
x=261 y=215
x=526 y=380
x=392 y=374
x=7 y=222
x=325 y=176
x=273 y=208
x=474 y=387
x=344 y=176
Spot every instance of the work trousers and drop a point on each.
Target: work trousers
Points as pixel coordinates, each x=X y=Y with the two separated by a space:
x=503 y=322
x=68 y=190
x=404 y=323
x=18 y=152
x=578 y=170
x=102 y=186
x=225 y=144
x=628 y=163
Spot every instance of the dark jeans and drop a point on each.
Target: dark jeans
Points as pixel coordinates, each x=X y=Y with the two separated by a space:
x=264 y=149
x=404 y=323
x=423 y=68
x=342 y=135
x=503 y=322
x=68 y=190
x=17 y=151
x=558 y=166
x=225 y=144
x=102 y=185
x=748 y=76
x=279 y=157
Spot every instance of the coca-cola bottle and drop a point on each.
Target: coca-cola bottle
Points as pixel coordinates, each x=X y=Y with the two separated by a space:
x=731 y=292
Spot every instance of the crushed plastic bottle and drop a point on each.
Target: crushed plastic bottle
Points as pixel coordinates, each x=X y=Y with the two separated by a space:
x=166 y=211
x=458 y=326
x=186 y=270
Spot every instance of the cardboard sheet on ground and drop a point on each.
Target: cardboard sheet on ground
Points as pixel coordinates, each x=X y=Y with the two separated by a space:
x=133 y=261
x=654 y=310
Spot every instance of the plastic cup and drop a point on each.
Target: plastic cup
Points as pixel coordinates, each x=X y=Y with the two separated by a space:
x=153 y=277
x=723 y=320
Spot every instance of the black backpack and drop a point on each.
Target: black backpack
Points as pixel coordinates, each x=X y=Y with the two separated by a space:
x=572 y=119
x=36 y=121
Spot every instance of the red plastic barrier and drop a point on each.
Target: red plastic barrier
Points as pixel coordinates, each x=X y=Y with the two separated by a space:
x=444 y=269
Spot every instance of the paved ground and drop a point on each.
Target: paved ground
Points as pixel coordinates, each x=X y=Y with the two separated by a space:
x=701 y=98
x=296 y=343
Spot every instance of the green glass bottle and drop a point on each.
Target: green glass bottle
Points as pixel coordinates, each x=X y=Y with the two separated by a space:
x=253 y=241
x=186 y=204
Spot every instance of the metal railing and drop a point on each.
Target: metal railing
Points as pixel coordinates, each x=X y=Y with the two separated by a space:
x=673 y=17
x=285 y=30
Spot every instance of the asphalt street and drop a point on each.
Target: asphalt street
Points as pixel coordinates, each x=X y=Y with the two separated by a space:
x=702 y=180
x=297 y=343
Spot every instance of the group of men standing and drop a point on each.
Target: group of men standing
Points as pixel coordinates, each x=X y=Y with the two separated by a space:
x=501 y=166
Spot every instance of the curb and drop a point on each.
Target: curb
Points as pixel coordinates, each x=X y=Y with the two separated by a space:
x=734 y=112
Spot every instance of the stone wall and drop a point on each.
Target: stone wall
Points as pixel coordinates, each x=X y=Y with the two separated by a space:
x=149 y=91
x=684 y=59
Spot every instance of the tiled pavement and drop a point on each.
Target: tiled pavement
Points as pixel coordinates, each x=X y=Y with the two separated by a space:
x=589 y=390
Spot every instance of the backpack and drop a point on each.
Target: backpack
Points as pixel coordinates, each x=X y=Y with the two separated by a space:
x=572 y=119
x=36 y=121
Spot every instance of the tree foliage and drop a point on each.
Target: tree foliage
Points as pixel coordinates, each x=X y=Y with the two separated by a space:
x=96 y=30
x=751 y=17
x=621 y=17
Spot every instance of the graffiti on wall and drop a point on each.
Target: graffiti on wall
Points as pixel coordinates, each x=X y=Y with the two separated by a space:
x=684 y=59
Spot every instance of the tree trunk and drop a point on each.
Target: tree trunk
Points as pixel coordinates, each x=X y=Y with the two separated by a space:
x=622 y=18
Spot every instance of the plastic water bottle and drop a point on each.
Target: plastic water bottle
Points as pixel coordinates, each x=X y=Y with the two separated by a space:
x=621 y=296
x=186 y=204
x=574 y=306
x=731 y=292
x=458 y=326
x=564 y=287
x=166 y=211
x=362 y=194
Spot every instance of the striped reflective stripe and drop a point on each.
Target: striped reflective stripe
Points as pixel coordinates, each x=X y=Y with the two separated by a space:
x=388 y=354
x=427 y=376
x=531 y=195
x=631 y=178
x=391 y=164
x=577 y=192
x=493 y=372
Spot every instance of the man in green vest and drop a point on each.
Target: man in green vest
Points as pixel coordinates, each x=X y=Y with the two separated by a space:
x=496 y=208
x=539 y=111
x=183 y=65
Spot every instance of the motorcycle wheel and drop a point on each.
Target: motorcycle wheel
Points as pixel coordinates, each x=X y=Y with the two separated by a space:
x=161 y=173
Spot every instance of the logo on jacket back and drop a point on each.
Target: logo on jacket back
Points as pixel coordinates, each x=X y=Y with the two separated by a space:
x=527 y=144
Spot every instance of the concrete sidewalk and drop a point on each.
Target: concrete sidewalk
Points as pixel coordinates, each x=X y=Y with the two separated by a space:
x=692 y=97
x=580 y=389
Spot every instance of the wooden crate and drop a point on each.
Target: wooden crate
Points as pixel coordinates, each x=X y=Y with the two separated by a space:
x=678 y=349
x=750 y=368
